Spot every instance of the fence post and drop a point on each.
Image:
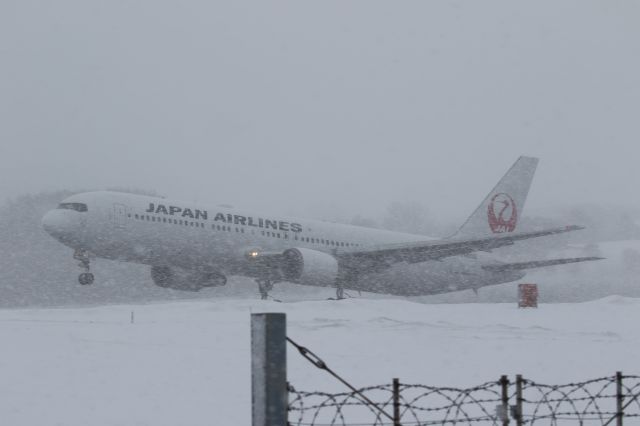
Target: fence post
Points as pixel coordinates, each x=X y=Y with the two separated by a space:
x=269 y=395
x=396 y=402
x=619 y=399
x=519 y=413
x=504 y=383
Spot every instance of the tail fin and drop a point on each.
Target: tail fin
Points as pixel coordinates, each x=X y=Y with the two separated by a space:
x=501 y=210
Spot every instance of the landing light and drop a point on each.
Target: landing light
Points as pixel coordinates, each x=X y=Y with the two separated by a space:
x=254 y=253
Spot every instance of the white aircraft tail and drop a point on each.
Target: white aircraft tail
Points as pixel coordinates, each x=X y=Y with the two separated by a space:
x=502 y=209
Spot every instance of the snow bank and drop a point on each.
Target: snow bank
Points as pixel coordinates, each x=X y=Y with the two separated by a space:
x=188 y=362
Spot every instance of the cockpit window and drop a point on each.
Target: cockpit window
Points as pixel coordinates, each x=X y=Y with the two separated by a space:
x=79 y=207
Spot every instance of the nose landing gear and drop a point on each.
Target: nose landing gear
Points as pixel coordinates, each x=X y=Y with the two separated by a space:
x=82 y=257
x=86 y=278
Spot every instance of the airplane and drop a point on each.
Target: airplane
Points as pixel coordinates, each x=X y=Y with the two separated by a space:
x=190 y=247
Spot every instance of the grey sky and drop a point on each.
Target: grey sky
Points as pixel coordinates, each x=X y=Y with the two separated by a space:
x=327 y=108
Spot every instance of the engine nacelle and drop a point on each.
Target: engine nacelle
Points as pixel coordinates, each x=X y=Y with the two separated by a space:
x=177 y=279
x=209 y=279
x=309 y=267
x=163 y=276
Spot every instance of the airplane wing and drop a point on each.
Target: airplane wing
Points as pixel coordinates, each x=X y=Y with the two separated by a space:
x=380 y=257
x=504 y=267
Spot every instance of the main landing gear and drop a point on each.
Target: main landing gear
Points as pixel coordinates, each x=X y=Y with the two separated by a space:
x=340 y=282
x=265 y=286
x=82 y=257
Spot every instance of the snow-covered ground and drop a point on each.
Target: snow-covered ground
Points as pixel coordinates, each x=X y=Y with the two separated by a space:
x=188 y=362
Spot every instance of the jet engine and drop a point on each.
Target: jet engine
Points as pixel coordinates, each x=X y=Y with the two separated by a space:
x=177 y=279
x=162 y=276
x=209 y=278
x=309 y=267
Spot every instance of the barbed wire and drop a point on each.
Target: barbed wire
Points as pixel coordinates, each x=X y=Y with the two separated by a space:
x=596 y=401
x=419 y=405
x=592 y=402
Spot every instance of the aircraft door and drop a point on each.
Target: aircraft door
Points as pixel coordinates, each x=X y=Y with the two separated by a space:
x=121 y=213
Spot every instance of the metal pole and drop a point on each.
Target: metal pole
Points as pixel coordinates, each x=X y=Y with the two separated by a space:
x=519 y=411
x=619 y=398
x=504 y=383
x=396 y=402
x=269 y=396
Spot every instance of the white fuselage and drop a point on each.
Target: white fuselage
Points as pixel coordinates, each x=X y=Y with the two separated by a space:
x=162 y=232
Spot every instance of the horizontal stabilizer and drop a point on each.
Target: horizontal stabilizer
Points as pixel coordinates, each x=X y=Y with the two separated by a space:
x=503 y=267
x=376 y=258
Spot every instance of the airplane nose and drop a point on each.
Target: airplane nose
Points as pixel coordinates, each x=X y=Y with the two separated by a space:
x=61 y=224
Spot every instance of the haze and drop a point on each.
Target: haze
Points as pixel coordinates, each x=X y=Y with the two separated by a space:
x=326 y=109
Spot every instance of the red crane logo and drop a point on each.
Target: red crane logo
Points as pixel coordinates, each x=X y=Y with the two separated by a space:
x=506 y=218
